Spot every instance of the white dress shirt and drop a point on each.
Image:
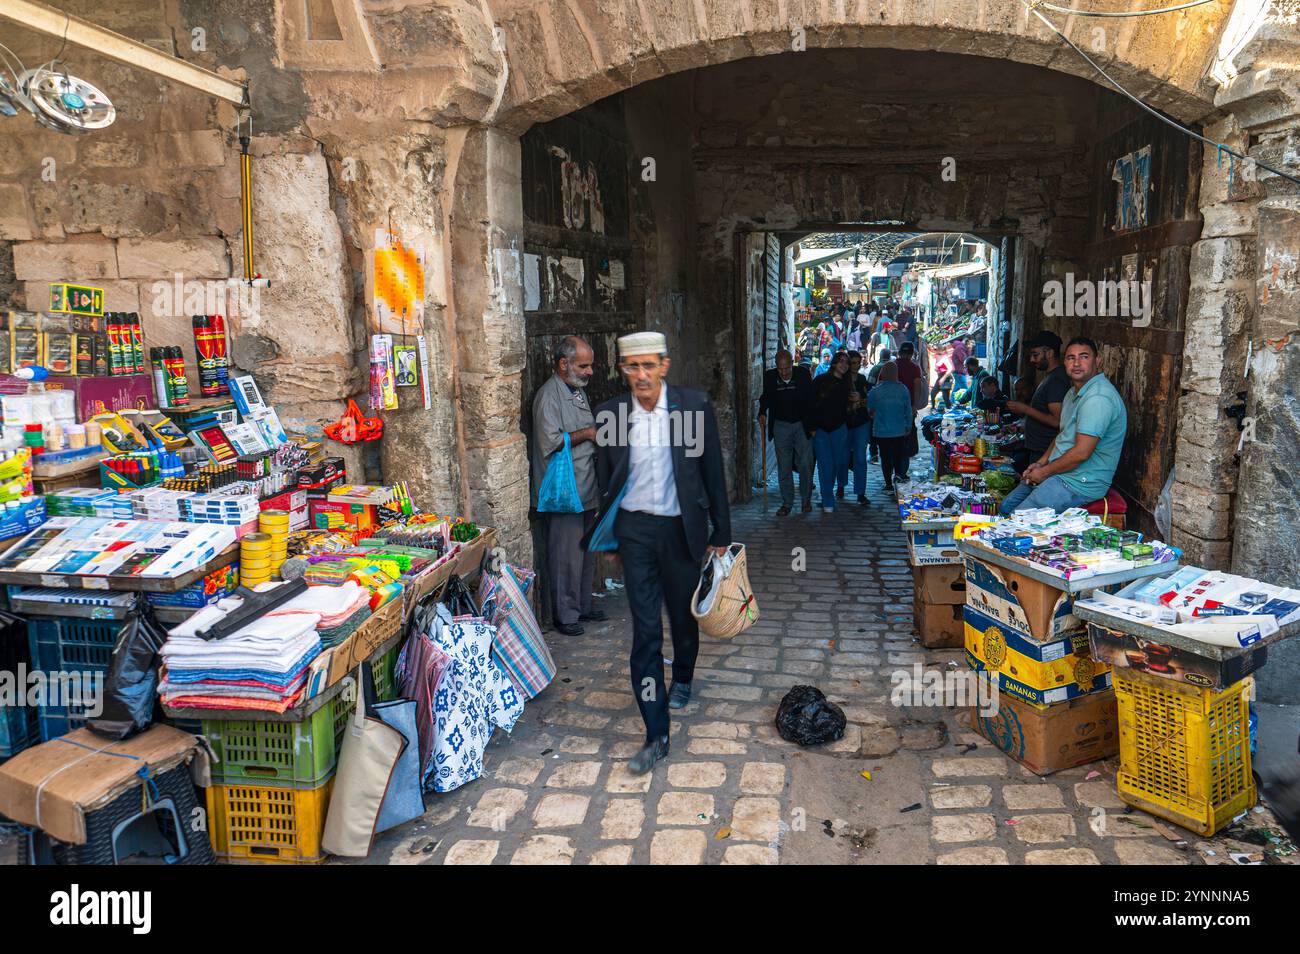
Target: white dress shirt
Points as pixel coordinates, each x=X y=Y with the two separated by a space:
x=650 y=484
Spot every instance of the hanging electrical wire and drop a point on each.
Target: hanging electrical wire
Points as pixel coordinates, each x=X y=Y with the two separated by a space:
x=1221 y=147
x=1124 y=13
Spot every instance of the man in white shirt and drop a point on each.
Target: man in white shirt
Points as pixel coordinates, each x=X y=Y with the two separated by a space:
x=662 y=482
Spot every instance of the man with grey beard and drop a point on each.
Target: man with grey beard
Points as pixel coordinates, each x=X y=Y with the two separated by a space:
x=560 y=407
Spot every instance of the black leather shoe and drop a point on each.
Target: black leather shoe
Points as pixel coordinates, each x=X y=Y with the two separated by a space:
x=645 y=760
x=679 y=695
x=595 y=616
x=572 y=629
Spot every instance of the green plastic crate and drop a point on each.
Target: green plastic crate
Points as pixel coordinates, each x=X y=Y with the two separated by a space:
x=290 y=754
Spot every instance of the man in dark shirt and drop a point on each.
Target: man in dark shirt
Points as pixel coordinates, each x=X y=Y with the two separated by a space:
x=783 y=411
x=1043 y=412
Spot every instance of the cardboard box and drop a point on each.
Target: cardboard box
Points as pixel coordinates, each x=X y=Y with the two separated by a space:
x=940 y=584
x=1040 y=672
x=1018 y=603
x=1126 y=651
x=1047 y=739
x=71 y=780
x=353 y=516
x=932 y=548
x=939 y=625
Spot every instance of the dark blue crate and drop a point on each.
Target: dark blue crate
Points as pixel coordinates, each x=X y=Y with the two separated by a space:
x=17 y=729
x=69 y=644
x=59 y=720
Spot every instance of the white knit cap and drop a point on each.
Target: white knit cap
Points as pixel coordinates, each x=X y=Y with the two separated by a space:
x=643 y=342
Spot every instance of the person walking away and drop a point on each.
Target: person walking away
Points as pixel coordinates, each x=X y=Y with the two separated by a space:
x=783 y=412
x=829 y=420
x=859 y=431
x=890 y=405
x=911 y=377
x=1042 y=413
x=661 y=474
x=1079 y=466
x=560 y=407
x=873 y=378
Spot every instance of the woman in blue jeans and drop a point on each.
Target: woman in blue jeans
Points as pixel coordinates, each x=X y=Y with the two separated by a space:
x=859 y=433
x=831 y=437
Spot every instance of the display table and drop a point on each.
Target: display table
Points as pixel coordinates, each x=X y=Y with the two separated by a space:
x=135 y=584
x=977 y=550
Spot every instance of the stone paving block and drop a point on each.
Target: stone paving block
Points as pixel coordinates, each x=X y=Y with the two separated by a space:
x=735 y=693
x=983 y=855
x=580 y=745
x=612 y=855
x=518 y=771
x=1040 y=829
x=497 y=808
x=678 y=846
x=1149 y=853
x=696 y=774
x=851 y=742
x=623 y=782
x=954 y=828
x=472 y=852
x=1061 y=856
x=716 y=747
x=750 y=663
x=762 y=778
x=750 y=855
x=574 y=775
x=544 y=850
x=560 y=810
x=756 y=819
x=684 y=808
x=1020 y=798
x=970 y=766
x=623 y=819
x=715 y=730
x=961 y=796
x=1099 y=793
x=625 y=750
x=609 y=700
x=575 y=719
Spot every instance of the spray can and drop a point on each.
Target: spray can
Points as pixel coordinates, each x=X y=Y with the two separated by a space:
x=204 y=349
x=136 y=330
x=161 y=377
x=218 y=328
x=178 y=387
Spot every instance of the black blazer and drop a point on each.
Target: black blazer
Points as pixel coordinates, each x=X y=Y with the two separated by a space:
x=803 y=382
x=701 y=481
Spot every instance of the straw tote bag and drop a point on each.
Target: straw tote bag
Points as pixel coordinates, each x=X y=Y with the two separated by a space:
x=724 y=603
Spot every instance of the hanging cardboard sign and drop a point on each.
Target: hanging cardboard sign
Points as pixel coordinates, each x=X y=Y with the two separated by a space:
x=398 y=284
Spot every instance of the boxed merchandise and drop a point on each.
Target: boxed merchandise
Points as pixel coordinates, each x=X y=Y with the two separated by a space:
x=1018 y=603
x=215 y=586
x=330 y=515
x=1039 y=672
x=1211 y=667
x=932 y=547
x=1047 y=739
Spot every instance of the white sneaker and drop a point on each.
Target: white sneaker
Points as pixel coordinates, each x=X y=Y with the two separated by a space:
x=828 y=509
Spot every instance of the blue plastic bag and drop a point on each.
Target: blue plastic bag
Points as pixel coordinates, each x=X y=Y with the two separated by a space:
x=559 y=490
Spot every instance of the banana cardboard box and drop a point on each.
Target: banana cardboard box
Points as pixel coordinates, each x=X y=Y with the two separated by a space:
x=1018 y=603
x=1039 y=672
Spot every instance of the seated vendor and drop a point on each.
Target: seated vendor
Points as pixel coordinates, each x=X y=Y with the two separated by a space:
x=1078 y=466
x=990 y=397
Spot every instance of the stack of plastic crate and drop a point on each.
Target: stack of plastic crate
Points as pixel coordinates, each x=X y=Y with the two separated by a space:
x=271 y=781
x=77 y=648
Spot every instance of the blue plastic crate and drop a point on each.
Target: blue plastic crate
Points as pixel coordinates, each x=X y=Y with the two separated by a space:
x=17 y=729
x=69 y=644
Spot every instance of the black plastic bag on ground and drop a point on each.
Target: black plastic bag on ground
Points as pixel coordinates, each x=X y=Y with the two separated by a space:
x=131 y=687
x=807 y=717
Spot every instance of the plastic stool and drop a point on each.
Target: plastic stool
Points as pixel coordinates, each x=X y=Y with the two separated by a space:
x=1112 y=508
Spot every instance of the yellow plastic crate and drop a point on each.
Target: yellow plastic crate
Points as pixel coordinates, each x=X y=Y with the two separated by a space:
x=257 y=824
x=1184 y=751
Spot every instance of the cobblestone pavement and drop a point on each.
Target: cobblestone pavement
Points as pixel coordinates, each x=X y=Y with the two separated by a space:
x=556 y=790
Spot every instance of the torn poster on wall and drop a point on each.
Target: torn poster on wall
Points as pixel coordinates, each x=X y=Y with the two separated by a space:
x=580 y=194
x=566 y=281
x=610 y=280
x=1132 y=173
x=532 y=281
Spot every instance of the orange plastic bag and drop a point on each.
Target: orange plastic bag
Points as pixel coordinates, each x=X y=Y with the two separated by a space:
x=354 y=426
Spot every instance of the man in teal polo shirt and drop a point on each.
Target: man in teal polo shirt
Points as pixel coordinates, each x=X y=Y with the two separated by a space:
x=1079 y=465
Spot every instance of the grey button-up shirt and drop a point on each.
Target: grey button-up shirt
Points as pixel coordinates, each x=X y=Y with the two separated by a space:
x=559 y=410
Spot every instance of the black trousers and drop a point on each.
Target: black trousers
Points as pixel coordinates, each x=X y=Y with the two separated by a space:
x=658 y=571
x=894 y=457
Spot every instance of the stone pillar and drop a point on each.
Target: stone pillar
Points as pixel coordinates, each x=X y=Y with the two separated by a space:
x=485 y=227
x=1219 y=310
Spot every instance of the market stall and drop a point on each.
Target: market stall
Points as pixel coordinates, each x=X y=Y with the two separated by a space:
x=194 y=588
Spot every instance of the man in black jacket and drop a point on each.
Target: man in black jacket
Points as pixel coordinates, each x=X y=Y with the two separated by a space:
x=783 y=411
x=662 y=483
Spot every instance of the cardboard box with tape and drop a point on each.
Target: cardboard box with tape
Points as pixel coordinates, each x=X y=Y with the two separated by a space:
x=1038 y=672
x=1047 y=739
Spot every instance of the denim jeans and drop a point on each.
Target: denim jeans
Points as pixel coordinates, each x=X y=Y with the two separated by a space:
x=858 y=438
x=831 y=449
x=1052 y=492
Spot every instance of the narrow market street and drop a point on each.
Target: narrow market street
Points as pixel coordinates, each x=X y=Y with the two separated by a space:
x=556 y=789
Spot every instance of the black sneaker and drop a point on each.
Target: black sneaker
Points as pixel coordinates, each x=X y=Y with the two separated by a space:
x=595 y=616
x=862 y=499
x=645 y=760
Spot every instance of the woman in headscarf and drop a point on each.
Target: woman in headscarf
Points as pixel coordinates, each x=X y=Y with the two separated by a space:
x=825 y=364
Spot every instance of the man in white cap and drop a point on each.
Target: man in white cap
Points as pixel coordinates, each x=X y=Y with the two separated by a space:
x=662 y=483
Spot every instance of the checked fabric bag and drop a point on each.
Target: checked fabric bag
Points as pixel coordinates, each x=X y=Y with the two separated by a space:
x=518 y=647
